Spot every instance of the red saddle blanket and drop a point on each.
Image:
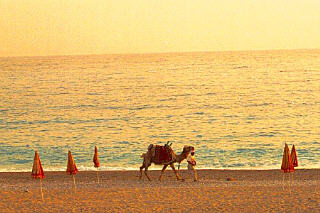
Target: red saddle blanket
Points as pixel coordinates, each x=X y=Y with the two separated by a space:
x=163 y=154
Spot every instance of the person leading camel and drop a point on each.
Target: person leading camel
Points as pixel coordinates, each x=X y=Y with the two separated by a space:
x=191 y=165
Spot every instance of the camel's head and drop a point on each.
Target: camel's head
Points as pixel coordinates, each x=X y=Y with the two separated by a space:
x=188 y=149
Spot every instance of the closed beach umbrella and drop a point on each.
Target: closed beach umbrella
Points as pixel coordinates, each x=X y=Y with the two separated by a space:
x=37 y=170
x=71 y=166
x=294 y=156
x=287 y=165
x=96 y=160
x=72 y=169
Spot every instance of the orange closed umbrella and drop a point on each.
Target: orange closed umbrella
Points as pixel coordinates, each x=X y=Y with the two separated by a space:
x=71 y=166
x=72 y=169
x=37 y=170
x=96 y=160
x=287 y=165
x=294 y=156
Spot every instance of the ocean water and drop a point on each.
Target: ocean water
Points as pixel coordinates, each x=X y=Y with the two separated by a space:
x=236 y=108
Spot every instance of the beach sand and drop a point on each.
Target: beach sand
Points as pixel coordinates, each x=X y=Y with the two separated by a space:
x=122 y=191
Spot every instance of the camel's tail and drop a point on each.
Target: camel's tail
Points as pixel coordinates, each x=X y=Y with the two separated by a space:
x=143 y=155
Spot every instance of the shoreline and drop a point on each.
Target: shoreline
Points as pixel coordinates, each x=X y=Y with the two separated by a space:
x=159 y=169
x=122 y=191
x=101 y=169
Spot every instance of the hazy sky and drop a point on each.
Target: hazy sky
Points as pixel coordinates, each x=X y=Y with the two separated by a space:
x=60 y=27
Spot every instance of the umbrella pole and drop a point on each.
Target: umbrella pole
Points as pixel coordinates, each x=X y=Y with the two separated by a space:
x=282 y=181
x=98 y=175
x=316 y=181
x=41 y=189
x=74 y=182
x=289 y=184
x=292 y=179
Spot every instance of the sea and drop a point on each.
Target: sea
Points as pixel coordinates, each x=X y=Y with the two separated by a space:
x=236 y=108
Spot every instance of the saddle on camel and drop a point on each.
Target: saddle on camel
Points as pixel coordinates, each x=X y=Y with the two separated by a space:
x=162 y=154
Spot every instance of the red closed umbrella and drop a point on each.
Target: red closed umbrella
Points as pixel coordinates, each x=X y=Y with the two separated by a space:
x=294 y=156
x=96 y=160
x=72 y=168
x=37 y=170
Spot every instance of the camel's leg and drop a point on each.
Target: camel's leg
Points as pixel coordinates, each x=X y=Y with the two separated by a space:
x=162 y=171
x=146 y=172
x=175 y=172
x=141 y=168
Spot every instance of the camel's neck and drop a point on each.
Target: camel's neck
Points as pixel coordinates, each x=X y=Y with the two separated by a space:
x=181 y=157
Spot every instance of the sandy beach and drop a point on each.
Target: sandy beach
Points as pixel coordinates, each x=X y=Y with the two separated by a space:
x=122 y=191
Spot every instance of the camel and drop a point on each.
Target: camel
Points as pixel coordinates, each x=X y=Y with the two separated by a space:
x=149 y=158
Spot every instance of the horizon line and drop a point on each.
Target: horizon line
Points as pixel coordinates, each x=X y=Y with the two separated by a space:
x=154 y=53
